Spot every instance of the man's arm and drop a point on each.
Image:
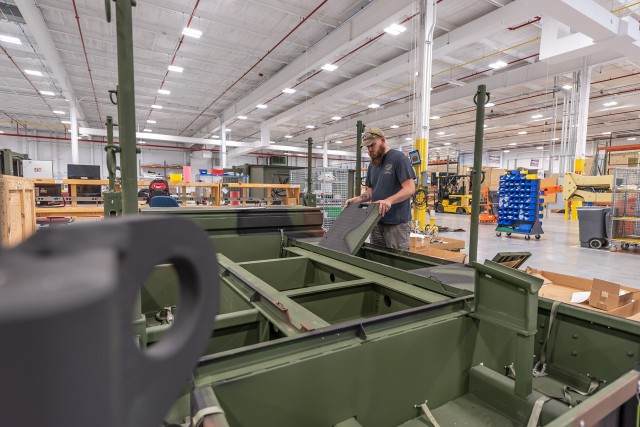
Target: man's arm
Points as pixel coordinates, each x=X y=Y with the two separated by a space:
x=365 y=197
x=407 y=190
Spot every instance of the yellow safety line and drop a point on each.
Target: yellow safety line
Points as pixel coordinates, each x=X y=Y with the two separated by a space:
x=625 y=7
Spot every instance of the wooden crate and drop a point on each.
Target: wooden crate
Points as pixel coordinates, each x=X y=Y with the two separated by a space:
x=17 y=209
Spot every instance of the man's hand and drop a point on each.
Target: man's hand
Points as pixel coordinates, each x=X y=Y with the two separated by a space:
x=384 y=206
x=351 y=200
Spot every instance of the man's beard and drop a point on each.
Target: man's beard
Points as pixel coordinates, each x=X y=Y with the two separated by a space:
x=376 y=157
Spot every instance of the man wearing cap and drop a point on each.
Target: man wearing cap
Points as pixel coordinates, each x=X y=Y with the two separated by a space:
x=390 y=184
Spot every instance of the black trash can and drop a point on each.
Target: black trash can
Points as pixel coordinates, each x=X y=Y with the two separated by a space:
x=593 y=225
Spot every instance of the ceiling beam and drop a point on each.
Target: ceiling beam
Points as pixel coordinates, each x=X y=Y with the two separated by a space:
x=38 y=28
x=369 y=21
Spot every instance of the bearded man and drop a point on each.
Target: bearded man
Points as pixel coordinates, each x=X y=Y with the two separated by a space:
x=390 y=183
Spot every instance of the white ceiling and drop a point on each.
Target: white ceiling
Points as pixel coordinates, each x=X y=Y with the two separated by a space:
x=251 y=49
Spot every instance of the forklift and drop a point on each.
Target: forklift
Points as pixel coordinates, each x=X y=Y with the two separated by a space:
x=451 y=194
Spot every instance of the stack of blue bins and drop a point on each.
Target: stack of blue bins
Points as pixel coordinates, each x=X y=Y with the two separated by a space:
x=519 y=202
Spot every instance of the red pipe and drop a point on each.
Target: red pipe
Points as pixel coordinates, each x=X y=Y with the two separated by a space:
x=27 y=78
x=256 y=64
x=173 y=58
x=86 y=58
x=533 y=21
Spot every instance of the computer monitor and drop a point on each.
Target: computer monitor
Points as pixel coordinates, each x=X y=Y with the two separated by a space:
x=85 y=172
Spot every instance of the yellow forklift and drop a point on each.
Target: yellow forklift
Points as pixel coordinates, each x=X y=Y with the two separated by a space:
x=452 y=195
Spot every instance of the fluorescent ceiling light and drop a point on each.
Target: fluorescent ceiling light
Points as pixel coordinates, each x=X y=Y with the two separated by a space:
x=536 y=116
x=33 y=73
x=610 y=104
x=506 y=151
x=272 y=142
x=486 y=125
x=318 y=146
x=227 y=129
x=329 y=67
x=338 y=142
x=440 y=133
x=9 y=39
x=394 y=126
x=310 y=127
x=147 y=130
x=66 y=122
x=175 y=68
x=141 y=142
x=539 y=148
x=261 y=106
x=242 y=117
x=606 y=133
x=513 y=144
x=447 y=143
x=498 y=64
x=408 y=139
x=522 y=132
x=153 y=122
x=47 y=93
x=58 y=112
x=288 y=136
x=489 y=104
x=438 y=148
x=288 y=90
x=434 y=117
x=336 y=118
x=567 y=87
x=395 y=29
x=374 y=105
x=164 y=92
x=156 y=107
x=1 y=131
x=287 y=154
x=215 y=137
x=456 y=83
x=191 y=32
x=631 y=139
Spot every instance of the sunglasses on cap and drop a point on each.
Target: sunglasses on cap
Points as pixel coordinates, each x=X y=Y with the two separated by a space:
x=372 y=135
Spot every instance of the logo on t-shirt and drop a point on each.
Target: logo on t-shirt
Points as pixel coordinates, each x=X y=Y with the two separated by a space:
x=388 y=169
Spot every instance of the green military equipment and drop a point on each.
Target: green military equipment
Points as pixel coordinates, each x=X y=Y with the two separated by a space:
x=112 y=198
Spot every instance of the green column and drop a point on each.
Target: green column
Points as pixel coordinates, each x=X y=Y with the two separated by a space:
x=480 y=99
x=127 y=108
x=359 y=132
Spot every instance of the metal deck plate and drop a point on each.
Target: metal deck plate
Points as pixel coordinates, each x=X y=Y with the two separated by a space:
x=456 y=275
x=351 y=228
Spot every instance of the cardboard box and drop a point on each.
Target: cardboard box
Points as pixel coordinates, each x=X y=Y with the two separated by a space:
x=448 y=244
x=442 y=254
x=609 y=296
x=578 y=290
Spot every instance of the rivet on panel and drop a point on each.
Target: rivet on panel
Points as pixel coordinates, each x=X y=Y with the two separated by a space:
x=630 y=353
x=575 y=336
x=574 y=353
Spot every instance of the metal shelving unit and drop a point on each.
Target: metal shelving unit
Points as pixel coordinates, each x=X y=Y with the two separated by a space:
x=331 y=187
x=625 y=203
x=520 y=204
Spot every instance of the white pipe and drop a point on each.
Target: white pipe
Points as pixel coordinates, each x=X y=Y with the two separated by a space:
x=223 y=147
x=75 y=157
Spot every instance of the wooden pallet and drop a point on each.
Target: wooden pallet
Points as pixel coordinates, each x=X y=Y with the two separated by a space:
x=17 y=210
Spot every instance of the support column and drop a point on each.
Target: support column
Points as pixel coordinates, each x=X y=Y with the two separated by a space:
x=75 y=156
x=325 y=154
x=427 y=20
x=358 y=178
x=223 y=147
x=583 y=120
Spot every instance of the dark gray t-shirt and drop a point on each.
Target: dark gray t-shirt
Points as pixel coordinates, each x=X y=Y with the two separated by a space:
x=386 y=179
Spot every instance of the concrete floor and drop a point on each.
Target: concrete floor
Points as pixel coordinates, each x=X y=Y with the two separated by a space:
x=557 y=250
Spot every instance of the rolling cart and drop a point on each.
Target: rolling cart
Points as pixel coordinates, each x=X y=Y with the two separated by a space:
x=519 y=204
x=625 y=209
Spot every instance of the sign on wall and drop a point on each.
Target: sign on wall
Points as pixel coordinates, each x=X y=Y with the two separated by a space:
x=494 y=160
x=534 y=163
x=38 y=169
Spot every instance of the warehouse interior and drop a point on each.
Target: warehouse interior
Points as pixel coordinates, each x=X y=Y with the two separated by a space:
x=198 y=157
